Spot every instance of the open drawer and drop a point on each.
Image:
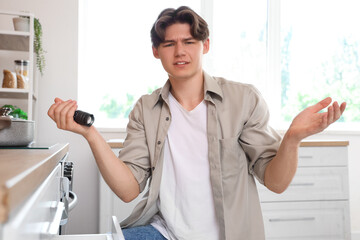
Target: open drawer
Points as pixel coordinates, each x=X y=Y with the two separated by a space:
x=116 y=234
x=84 y=237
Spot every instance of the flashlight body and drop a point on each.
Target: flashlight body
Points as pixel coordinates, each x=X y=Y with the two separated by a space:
x=83 y=118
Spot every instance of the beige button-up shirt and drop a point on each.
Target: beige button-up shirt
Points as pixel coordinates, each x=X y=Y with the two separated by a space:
x=240 y=141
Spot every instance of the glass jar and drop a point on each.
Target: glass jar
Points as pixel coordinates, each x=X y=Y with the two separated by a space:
x=22 y=73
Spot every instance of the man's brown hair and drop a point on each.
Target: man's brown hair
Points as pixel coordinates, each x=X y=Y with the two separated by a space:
x=198 y=26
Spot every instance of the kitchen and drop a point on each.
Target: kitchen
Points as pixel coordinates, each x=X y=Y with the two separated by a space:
x=60 y=30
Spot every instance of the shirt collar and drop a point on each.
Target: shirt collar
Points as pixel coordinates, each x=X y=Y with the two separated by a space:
x=211 y=87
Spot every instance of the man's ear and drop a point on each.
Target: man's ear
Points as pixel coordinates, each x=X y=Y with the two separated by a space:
x=206 y=46
x=155 y=52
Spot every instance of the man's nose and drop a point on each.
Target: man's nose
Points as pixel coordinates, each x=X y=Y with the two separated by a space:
x=179 y=49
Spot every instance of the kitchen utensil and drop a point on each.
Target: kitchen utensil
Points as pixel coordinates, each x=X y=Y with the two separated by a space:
x=15 y=132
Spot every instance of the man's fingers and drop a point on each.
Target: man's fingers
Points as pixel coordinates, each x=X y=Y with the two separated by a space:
x=65 y=112
x=51 y=112
x=342 y=107
x=58 y=100
x=58 y=112
x=330 y=118
x=70 y=113
x=62 y=113
x=321 y=105
x=337 y=111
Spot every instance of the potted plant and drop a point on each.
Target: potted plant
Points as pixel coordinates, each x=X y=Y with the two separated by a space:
x=22 y=24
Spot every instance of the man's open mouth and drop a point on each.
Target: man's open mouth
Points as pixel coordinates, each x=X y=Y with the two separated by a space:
x=181 y=63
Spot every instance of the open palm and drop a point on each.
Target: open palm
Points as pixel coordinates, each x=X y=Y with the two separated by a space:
x=310 y=121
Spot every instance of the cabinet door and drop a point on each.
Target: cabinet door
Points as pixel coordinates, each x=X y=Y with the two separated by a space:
x=312 y=183
x=39 y=217
x=306 y=220
x=322 y=156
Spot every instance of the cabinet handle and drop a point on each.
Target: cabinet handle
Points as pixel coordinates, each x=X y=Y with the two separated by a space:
x=302 y=184
x=291 y=219
x=53 y=226
x=74 y=201
x=306 y=157
x=117 y=233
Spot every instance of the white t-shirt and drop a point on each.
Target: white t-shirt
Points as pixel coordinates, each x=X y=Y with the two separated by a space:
x=185 y=199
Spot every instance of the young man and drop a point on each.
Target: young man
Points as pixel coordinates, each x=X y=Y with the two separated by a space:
x=200 y=140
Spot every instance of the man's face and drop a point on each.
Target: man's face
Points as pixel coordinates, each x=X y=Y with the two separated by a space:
x=181 y=54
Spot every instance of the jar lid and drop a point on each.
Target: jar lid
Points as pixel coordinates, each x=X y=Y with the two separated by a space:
x=22 y=62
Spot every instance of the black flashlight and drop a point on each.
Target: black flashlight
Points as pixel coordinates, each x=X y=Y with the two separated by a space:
x=84 y=118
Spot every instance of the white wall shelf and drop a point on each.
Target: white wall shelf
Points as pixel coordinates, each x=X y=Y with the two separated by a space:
x=15 y=93
x=14 y=42
x=16 y=45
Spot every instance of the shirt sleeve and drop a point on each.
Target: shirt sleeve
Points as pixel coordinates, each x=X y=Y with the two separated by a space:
x=259 y=141
x=135 y=153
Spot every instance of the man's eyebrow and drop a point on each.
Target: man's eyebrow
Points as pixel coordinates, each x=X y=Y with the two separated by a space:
x=185 y=39
x=188 y=39
x=168 y=41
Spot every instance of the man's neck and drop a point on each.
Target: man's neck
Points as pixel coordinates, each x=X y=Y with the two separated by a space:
x=188 y=92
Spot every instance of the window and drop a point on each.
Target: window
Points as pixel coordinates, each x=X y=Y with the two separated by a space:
x=116 y=64
x=295 y=52
x=320 y=48
x=238 y=41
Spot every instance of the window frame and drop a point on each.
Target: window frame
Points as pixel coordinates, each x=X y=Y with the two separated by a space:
x=272 y=93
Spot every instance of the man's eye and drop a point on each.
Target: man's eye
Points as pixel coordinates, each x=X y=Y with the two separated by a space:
x=190 y=42
x=168 y=45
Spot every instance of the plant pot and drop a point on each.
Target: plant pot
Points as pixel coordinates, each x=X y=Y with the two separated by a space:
x=21 y=24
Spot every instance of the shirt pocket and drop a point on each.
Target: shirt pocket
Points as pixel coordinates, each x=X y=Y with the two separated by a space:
x=232 y=157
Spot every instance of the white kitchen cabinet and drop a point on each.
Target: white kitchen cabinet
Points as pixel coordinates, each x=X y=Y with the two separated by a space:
x=316 y=204
x=17 y=45
x=30 y=206
x=33 y=184
x=40 y=215
x=313 y=220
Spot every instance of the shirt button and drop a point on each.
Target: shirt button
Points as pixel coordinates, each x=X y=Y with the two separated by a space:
x=167 y=118
x=153 y=168
x=159 y=142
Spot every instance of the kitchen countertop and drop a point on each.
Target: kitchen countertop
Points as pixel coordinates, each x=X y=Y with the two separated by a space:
x=324 y=143
x=118 y=143
x=22 y=171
